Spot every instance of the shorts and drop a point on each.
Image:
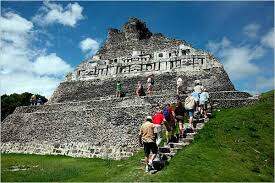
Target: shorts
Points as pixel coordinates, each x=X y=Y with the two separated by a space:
x=150 y=146
x=190 y=112
x=203 y=105
x=179 y=118
x=168 y=126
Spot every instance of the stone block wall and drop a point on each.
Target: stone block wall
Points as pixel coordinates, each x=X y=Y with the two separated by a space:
x=214 y=80
x=105 y=128
x=91 y=133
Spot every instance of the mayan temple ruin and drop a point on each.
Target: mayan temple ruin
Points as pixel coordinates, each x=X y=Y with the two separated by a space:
x=83 y=118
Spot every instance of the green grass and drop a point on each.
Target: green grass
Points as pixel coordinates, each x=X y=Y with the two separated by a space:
x=236 y=145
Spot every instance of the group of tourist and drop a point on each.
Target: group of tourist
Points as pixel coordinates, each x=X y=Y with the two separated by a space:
x=170 y=120
x=35 y=101
x=139 y=88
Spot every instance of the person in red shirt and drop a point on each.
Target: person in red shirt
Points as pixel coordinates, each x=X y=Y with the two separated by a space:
x=158 y=119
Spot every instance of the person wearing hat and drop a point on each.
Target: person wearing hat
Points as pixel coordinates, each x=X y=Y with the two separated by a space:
x=33 y=100
x=196 y=94
x=198 y=88
x=147 y=137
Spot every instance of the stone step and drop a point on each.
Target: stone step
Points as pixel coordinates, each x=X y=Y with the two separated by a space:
x=171 y=148
x=164 y=149
x=178 y=144
x=228 y=103
x=198 y=120
x=175 y=150
x=169 y=154
x=200 y=126
x=187 y=140
x=191 y=135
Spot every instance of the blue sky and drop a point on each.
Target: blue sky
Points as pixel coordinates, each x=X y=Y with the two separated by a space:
x=52 y=38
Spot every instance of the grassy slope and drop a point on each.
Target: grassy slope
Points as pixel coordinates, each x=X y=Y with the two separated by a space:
x=236 y=145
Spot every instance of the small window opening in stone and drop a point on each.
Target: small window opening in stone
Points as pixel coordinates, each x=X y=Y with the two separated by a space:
x=115 y=60
x=170 y=54
x=161 y=55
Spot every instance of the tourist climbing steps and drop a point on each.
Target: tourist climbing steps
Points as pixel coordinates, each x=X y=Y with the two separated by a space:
x=168 y=151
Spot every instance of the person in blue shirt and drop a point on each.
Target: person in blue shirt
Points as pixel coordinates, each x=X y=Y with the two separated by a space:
x=203 y=101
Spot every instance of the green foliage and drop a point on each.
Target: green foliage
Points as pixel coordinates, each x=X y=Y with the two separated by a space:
x=10 y=102
x=236 y=145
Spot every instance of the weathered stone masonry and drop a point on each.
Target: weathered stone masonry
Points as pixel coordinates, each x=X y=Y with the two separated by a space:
x=84 y=119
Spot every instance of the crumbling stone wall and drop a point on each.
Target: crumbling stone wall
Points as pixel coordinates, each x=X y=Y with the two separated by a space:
x=134 y=36
x=105 y=128
x=214 y=80
x=63 y=132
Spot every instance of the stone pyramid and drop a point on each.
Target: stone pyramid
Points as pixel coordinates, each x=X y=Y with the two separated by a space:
x=83 y=118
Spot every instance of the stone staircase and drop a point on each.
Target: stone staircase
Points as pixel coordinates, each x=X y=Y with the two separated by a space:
x=168 y=151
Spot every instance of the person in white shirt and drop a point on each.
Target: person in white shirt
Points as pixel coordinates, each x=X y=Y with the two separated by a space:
x=179 y=85
x=196 y=94
x=150 y=83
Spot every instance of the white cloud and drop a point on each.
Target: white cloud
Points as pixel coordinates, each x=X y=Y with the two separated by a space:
x=251 y=30
x=237 y=60
x=263 y=83
x=23 y=67
x=54 y=13
x=12 y=22
x=20 y=82
x=50 y=64
x=216 y=46
x=15 y=37
x=90 y=45
x=269 y=39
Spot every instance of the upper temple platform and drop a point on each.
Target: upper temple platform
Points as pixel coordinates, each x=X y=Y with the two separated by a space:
x=134 y=51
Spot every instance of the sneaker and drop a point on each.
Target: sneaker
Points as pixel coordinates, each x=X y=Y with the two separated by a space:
x=153 y=171
x=146 y=168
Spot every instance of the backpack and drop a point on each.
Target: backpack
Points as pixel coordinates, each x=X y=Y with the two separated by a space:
x=189 y=103
x=166 y=113
x=152 y=81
